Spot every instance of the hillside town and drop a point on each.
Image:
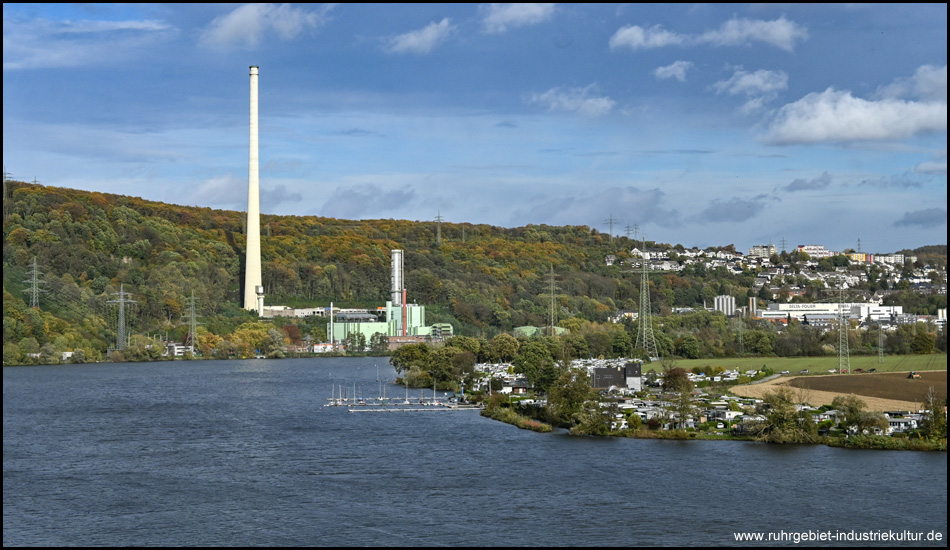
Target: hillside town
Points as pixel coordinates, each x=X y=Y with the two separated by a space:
x=803 y=285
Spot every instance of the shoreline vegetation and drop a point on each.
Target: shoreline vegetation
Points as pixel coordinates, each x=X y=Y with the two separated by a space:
x=870 y=442
x=509 y=416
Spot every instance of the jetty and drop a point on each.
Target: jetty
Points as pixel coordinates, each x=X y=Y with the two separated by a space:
x=424 y=409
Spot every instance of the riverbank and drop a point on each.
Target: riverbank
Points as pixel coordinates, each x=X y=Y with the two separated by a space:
x=509 y=416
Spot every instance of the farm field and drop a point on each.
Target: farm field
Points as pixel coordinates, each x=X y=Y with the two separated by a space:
x=893 y=385
x=816 y=365
x=880 y=391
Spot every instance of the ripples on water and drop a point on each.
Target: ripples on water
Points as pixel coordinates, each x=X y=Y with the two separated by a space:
x=245 y=453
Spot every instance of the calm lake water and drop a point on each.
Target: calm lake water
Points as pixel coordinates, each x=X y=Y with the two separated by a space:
x=246 y=453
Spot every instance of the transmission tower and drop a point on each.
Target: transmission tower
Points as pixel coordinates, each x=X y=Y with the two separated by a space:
x=844 y=322
x=121 y=333
x=552 y=314
x=880 y=343
x=6 y=201
x=438 y=229
x=192 y=324
x=783 y=245
x=645 y=338
x=34 y=282
x=741 y=326
x=610 y=223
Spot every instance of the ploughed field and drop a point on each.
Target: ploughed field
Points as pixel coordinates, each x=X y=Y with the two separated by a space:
x=885 y=385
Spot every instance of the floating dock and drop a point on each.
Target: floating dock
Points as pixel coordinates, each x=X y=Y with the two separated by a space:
x=425 y=409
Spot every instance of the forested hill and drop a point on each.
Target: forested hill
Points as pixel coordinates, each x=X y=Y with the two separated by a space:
x=482 y=279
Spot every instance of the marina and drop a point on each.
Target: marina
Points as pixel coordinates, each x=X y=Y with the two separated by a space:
x=340 y=397
x=423 y=409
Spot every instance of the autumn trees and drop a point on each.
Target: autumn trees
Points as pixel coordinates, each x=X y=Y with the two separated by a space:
x=484 y=280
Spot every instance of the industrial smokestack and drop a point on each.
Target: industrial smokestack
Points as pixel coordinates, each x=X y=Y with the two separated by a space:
x=397 y=280
x=253 y=289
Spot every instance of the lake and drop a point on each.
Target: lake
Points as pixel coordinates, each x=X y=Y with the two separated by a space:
x=241 y=453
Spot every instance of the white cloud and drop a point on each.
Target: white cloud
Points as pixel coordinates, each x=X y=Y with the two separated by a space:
x=577 y=100
x=45 y=44
x=780 y=33
x=839 y=116
x=502 y=16
x=754 y=83
x=936 y=168
x=760 y=87
x=638 y=38
x=928 y=83
x=423 y=40
x=246 y=26
x=675 y=70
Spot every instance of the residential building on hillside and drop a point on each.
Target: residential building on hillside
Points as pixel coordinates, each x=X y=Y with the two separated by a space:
x=763 y=251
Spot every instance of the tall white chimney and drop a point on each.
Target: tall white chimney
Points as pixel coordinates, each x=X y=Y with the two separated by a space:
x=253 y=285
x=397 y=281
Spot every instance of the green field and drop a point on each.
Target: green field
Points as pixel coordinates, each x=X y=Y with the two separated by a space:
x=815 y=365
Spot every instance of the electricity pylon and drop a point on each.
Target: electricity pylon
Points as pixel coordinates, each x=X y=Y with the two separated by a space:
x=645 y=338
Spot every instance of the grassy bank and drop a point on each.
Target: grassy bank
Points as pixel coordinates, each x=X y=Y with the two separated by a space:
x=509 y=416
x=887 y=443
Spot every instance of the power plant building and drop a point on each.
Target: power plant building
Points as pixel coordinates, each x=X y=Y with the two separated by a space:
x=397 y=319
x=726 y=304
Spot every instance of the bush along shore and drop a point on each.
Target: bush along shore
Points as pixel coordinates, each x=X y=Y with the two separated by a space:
x=498 y=408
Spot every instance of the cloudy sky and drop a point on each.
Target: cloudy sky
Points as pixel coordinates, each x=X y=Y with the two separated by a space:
x=693 y=124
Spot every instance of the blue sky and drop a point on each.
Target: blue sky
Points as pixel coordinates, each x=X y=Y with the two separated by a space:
x=696 y=124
